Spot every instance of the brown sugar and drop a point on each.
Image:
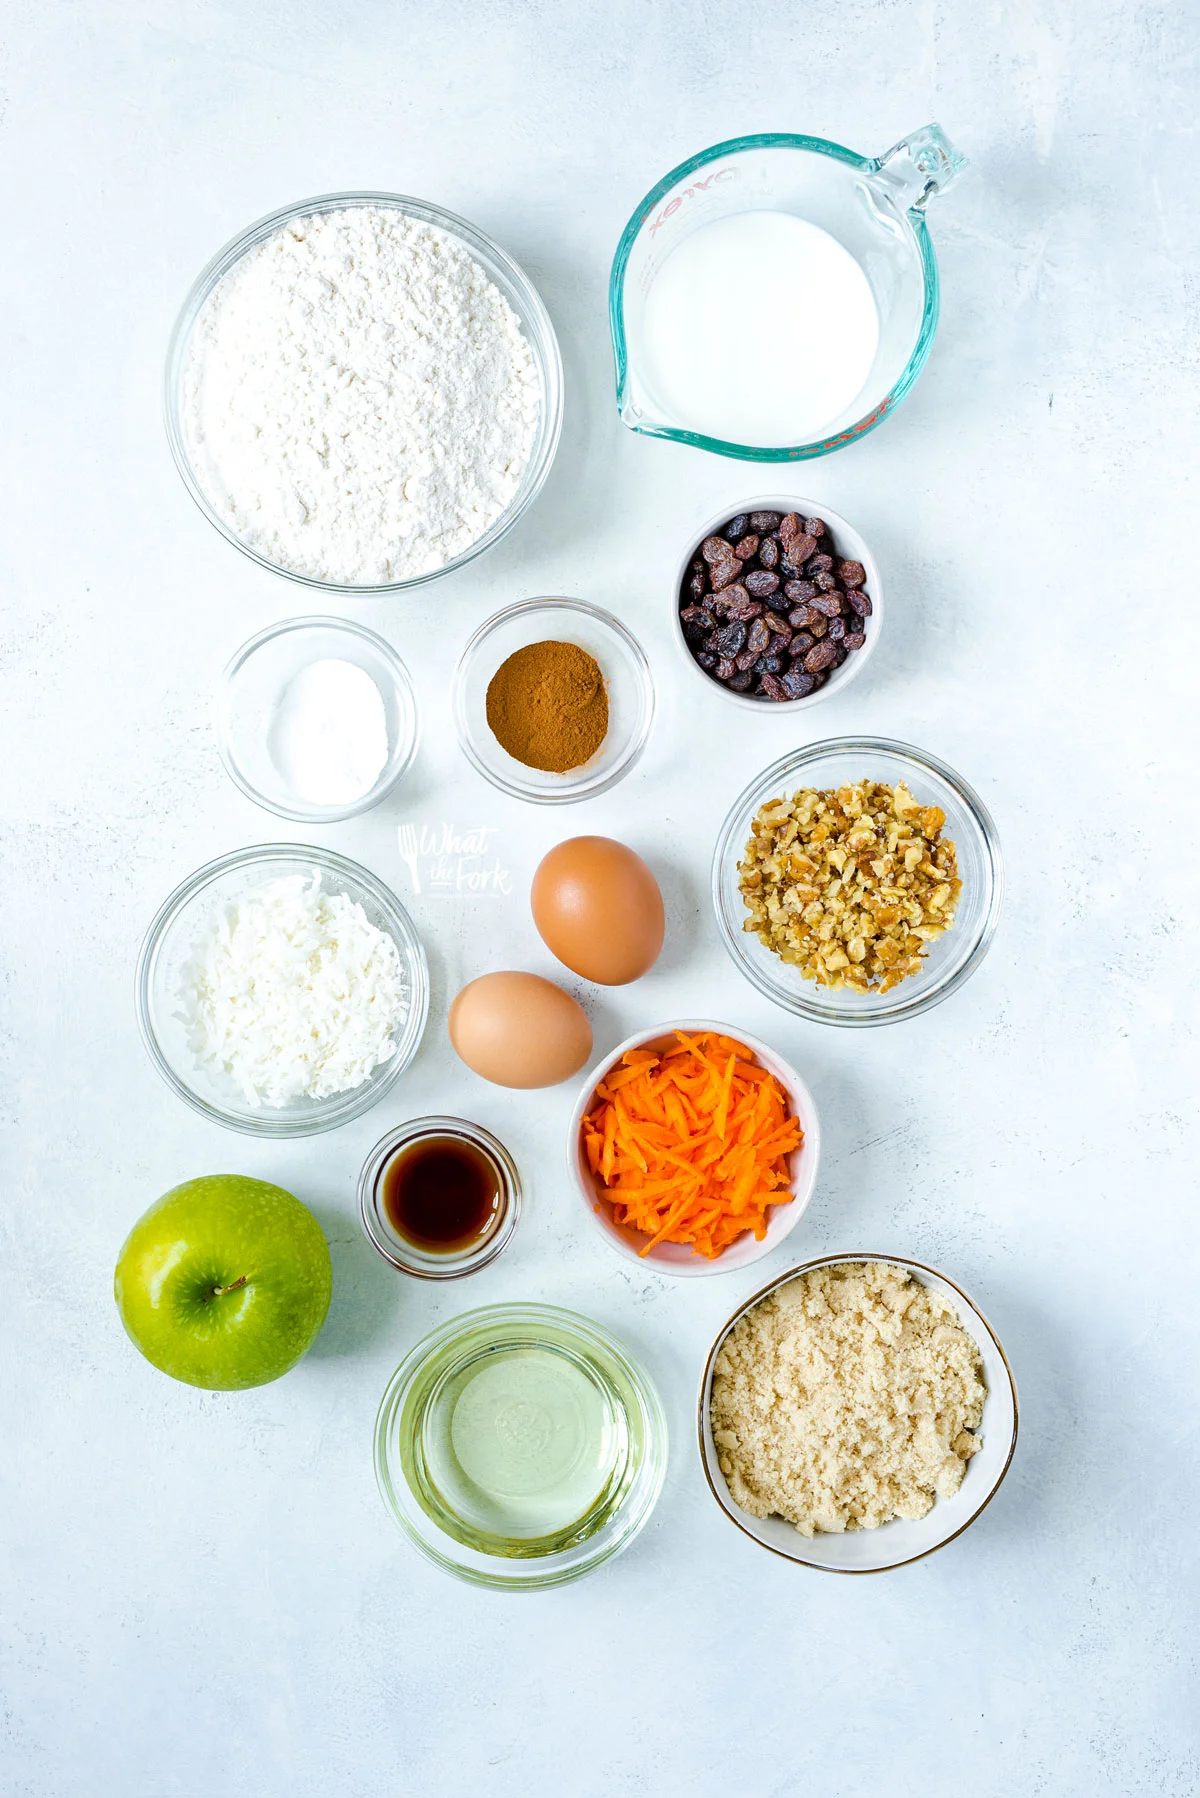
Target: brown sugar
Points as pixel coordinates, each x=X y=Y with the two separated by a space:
x=548 y=707
x=849 y=1396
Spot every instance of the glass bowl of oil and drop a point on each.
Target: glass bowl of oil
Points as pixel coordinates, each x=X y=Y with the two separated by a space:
x=520 y=1446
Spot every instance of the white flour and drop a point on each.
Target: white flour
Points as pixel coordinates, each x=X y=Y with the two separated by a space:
x=359 y=403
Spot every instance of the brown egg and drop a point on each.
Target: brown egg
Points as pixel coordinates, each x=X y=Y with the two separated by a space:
x=598 y=908
x=519 y=1030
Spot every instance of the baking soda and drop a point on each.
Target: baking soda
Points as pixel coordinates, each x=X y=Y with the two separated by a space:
x=328 y=737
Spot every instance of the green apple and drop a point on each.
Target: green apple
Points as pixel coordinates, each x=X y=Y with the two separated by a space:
x=225 y=1282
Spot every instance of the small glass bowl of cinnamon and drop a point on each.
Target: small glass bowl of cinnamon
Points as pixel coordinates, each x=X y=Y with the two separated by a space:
x=532 y=683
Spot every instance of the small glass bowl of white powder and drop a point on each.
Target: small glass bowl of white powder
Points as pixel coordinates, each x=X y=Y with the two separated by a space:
x=363 y=392
x=282 y=990
x=316 y=719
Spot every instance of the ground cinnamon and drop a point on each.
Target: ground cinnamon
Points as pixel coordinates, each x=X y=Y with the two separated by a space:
x=548 y=707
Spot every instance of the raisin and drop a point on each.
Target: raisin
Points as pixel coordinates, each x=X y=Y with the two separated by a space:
x=837 y=629
x=854 y=639
x=762 y=582
x=798 y=544
x=725 y=573
x=861 y=602
x=768 y=551
x=731 y=639
x=815 y=527
x=825 y=582
x=819 y=564
x=764 y=521
x=698 y=565
x=828 y=605
x=798 y=618
x=741 y=682
x=695 y=587
x=743 y=606
x=723 y=564
x=797 y=684
x=758 y=637
x=853 y=574
x=820 y=657
x=769 y=664
x=771 y=688
x=818 y=626
x=747 y=660
x=778 y=602
x=696 y=622
x=802 y=642
x=779 y=628
x=725 y=669
x=800 y=590
x=736 y=527
x=746 y=548
x=706 y=659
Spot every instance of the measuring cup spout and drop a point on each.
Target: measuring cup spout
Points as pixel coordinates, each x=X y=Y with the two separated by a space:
x=920 y=165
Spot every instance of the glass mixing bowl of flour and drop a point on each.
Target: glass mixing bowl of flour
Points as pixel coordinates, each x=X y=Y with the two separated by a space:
x=776 y=296
x=386 y=335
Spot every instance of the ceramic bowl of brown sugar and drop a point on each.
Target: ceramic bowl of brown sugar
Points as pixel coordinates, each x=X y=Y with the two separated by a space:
x=553 y=700
x=790 y=1402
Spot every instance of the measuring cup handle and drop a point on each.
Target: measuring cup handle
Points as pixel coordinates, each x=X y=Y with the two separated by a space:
x=923 y=163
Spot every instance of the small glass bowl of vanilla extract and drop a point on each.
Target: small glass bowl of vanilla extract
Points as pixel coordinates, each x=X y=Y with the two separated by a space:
x=439 y=1197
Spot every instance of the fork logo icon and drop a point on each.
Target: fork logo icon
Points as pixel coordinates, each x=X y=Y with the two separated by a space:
x=443 y=859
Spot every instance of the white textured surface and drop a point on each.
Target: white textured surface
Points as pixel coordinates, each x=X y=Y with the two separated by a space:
x=203 y=1593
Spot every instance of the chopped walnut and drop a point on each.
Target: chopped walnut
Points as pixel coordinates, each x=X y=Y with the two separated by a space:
x=849 y=885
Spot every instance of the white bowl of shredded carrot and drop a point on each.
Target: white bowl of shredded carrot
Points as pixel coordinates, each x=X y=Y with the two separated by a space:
x=694 y=1148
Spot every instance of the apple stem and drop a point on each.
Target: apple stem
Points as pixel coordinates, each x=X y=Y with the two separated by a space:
x=220 y=1291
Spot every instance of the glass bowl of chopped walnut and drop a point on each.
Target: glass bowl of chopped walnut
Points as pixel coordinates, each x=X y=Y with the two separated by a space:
x=857 y=881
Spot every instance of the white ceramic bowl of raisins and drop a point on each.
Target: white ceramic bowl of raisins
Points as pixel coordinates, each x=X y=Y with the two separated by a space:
x=817 y=645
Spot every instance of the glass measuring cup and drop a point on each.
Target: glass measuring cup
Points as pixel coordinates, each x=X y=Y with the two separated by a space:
x=873 y=206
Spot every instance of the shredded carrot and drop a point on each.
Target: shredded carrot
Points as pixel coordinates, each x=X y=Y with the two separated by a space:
x=691 y=1145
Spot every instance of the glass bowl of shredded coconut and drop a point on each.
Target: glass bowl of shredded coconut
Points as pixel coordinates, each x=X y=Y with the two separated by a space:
x=363 y=392
x=282 y=990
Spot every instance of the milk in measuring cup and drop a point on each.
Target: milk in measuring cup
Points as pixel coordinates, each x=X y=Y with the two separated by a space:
x=759 y=329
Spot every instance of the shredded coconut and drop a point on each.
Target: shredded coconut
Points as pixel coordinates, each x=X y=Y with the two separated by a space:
x=359 y=403
x=845 y=1398
x=294 y=993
